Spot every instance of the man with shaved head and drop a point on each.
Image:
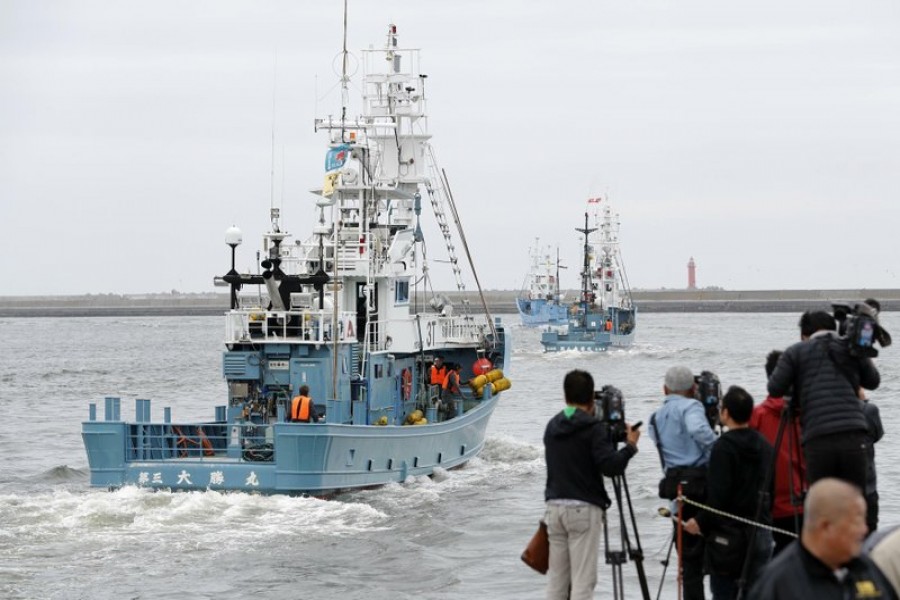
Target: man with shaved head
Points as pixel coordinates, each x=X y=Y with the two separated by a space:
x=826 y=562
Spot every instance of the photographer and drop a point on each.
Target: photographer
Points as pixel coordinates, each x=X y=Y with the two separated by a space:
x=873 y=435
x=736 y=476
x=825 y=377
x=789 y=465
x=579 y=452
x=684 y=439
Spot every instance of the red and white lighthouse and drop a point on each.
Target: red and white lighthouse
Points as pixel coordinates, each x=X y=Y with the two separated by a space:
x=692 y=275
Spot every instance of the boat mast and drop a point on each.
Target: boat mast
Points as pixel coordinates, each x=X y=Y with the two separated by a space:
x=586 y=266
x=345 y=98
x=556 y=295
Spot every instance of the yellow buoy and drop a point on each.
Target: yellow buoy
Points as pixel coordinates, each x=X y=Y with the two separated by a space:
x=494 y=375
x=500 y=385
x=476 y=383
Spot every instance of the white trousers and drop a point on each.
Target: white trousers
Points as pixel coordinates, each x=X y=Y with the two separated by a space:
x=574 y=533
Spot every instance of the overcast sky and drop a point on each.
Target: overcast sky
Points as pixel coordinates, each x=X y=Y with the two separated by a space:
x=762 y=138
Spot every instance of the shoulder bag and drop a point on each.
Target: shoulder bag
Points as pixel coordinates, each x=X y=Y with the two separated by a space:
x=691 y=479
x=537 y=553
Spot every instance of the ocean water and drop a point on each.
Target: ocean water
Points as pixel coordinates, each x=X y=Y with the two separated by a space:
x=456 y=535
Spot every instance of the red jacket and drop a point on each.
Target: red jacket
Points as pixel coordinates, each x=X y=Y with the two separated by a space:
x=765 y=419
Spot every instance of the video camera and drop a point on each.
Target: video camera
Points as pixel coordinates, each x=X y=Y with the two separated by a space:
x=708 y=391
x=610 y=405
x=859 y=326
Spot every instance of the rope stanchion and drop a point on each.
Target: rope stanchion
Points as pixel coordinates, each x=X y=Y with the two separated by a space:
x=678 y=528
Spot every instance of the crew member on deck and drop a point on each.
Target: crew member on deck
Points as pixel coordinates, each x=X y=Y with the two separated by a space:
x=438 y=371
x=302 y=408
x=451 y=390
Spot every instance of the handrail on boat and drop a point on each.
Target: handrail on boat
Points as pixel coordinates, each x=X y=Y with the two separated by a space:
x=304 y=325
x=148 y=442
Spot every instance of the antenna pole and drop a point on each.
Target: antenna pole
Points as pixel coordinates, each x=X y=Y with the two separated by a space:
x=272 y=168
x=345 y=94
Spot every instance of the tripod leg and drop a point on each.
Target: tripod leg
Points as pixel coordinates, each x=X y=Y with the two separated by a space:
x=636 y=554
x=665 y=564
x=618 y=583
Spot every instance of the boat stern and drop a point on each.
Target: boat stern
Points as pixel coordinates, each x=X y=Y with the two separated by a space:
x=104 y=442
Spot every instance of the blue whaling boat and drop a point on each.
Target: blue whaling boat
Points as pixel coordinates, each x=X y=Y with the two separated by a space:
x=604 y=315
x=540 y=302
x=346 y=315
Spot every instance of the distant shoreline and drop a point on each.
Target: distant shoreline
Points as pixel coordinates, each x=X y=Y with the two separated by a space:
x=500 y=302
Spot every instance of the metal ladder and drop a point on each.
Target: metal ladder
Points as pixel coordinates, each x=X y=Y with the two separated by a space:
x=439 y=197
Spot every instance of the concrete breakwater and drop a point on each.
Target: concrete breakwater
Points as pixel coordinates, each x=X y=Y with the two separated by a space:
x=498 y=301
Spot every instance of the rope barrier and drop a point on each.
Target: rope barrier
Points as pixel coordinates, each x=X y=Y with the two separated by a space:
x=722 y=513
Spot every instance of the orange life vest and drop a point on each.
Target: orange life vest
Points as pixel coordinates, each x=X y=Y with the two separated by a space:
x=300 y=408
x=451 y=381
x=438 y=375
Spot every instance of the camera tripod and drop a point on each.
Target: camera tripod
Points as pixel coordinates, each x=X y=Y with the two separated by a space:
x=616 y=558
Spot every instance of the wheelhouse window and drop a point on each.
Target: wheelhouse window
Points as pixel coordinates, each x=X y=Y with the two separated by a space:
x=401 y=292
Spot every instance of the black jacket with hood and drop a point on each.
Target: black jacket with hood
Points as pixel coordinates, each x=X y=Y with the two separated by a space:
x=825 y=378
x=736 y=473
x=578 y=453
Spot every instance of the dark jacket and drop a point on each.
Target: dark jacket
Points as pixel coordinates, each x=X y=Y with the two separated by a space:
x=735 y=475
x=875 y=433
x=790 y=467
x=578 y=453
x=795 y=573
x=824 y=378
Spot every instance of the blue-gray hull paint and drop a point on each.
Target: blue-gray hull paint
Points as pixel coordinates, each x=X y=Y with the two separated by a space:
x=588 y=333
x=318 y=459
x=541 y=312
x=597 y=342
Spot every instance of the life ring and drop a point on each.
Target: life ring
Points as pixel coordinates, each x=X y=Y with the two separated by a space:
x=406 y=384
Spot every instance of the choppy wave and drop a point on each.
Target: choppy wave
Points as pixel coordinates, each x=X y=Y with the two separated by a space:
x=204 y=515
x=62 y=473
x=66 y=374
x=180 y=518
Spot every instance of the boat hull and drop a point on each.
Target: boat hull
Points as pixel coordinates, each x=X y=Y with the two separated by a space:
x=315 y=459
x=593 y=332
x=588 y=341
